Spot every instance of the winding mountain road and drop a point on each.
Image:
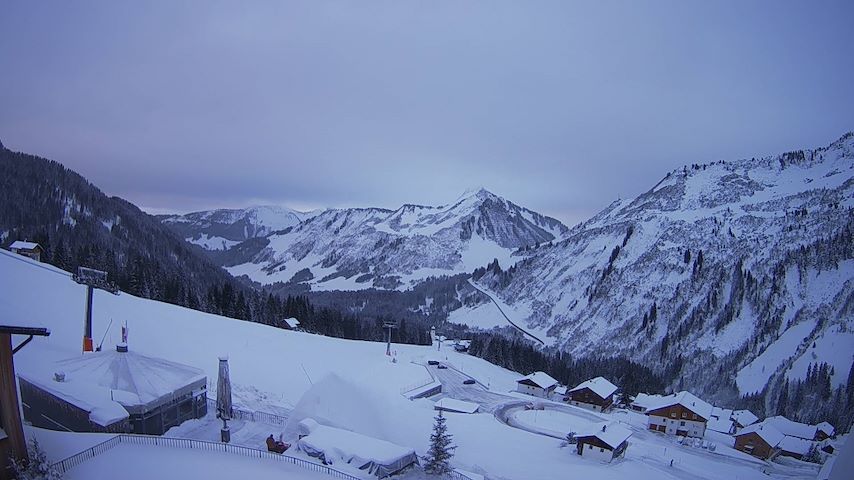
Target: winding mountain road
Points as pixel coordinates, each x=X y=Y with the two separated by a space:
x=498 y=306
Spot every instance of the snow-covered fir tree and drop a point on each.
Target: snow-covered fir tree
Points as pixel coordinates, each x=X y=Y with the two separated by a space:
x=37 y=468
x=437 y=460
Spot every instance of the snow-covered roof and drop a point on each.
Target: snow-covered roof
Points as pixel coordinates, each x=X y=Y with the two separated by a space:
x=453 y=405
x=19 y=244
x=771 y=435
x=351 y=447
x=292 y=322
x=792 y=428
x=644 y=400
x=826 y=428
x=98 y=401
x=541 y=379
x=131 y=379
x=723 y=425
x=744 y=417
x=722 y=413
x=598 y=385
x=612 y=433
x=794 y=445
x=687 y=400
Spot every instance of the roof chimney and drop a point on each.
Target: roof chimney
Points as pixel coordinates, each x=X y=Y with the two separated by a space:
x=59 y=377
x=604 y=427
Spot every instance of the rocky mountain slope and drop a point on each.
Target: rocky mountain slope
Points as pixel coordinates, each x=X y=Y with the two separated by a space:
x=224 y=228
x=732 y=276
x=359 y=248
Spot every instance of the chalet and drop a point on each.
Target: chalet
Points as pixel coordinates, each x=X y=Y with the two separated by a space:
x=291 y=323
x=791 y=428
x=560 y=393
x=743 y=418
x=538 y=384
x=824 y=431
x=721 y=421
x=759 y=440
x=27 y=249
x=603 y=441
x=115 y=392
x=681 y=414
x=794 y=447
x=596 y=394
x=642 y=401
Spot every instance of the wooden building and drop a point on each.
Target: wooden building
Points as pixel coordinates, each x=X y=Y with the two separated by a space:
x=27 y=249
x=603 y=441
x=12 y=441
x=538 y=384
x=114 y=391
x=597 y=394
x=743 y=418
x=759 y=440
x=824 y=431
x=682 y=414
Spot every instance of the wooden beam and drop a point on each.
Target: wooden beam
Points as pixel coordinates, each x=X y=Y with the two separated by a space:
x=10 y=411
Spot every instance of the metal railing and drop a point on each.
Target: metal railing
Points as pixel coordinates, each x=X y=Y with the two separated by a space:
x=251 y=415
x=88 y=454
x=64 y=465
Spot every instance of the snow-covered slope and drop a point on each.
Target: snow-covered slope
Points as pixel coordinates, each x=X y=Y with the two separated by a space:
x=222 y=229
x=359 y=248
x=733 y=267
x=342 y=383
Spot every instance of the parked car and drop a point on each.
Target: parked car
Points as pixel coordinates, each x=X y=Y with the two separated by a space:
x=432 y=362
x=442 y=366
x=469 y=381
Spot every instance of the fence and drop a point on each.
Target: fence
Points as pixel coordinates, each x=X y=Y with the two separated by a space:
x=64 y=465
x=251 y=416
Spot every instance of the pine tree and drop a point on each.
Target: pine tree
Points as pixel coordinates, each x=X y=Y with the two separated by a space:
x=436 y=462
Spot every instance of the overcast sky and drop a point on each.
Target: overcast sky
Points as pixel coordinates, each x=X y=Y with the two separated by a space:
x=561 y=107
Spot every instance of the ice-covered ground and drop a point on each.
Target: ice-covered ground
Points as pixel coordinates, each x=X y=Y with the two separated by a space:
x=346 y=384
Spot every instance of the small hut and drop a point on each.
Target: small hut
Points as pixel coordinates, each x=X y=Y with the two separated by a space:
x=114 y=391
x=27 y=249
x=603 y=441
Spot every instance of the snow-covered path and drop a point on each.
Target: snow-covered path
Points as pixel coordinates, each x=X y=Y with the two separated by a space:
x=501 y=310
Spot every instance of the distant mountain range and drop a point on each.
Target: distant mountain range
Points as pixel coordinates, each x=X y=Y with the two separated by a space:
x=359 y=248
x=738 y=275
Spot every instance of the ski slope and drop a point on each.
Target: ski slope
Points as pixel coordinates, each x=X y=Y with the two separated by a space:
x=341 y=383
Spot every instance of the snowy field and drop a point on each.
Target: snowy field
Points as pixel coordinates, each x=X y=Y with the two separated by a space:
x=341 y=383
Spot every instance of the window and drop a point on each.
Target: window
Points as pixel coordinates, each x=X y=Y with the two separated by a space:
x=682 y=423
x=673 y=414
x=684 y=415
x=601 y=450
x=590 y=447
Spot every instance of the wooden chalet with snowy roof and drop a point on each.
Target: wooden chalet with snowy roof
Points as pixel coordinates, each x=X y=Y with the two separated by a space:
x=596 y=394
x=27 y=249
x=682 y=414
x=759 y=440
x=824 y=431
x=538 y=384
x=743 y=418
x=603 y=441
